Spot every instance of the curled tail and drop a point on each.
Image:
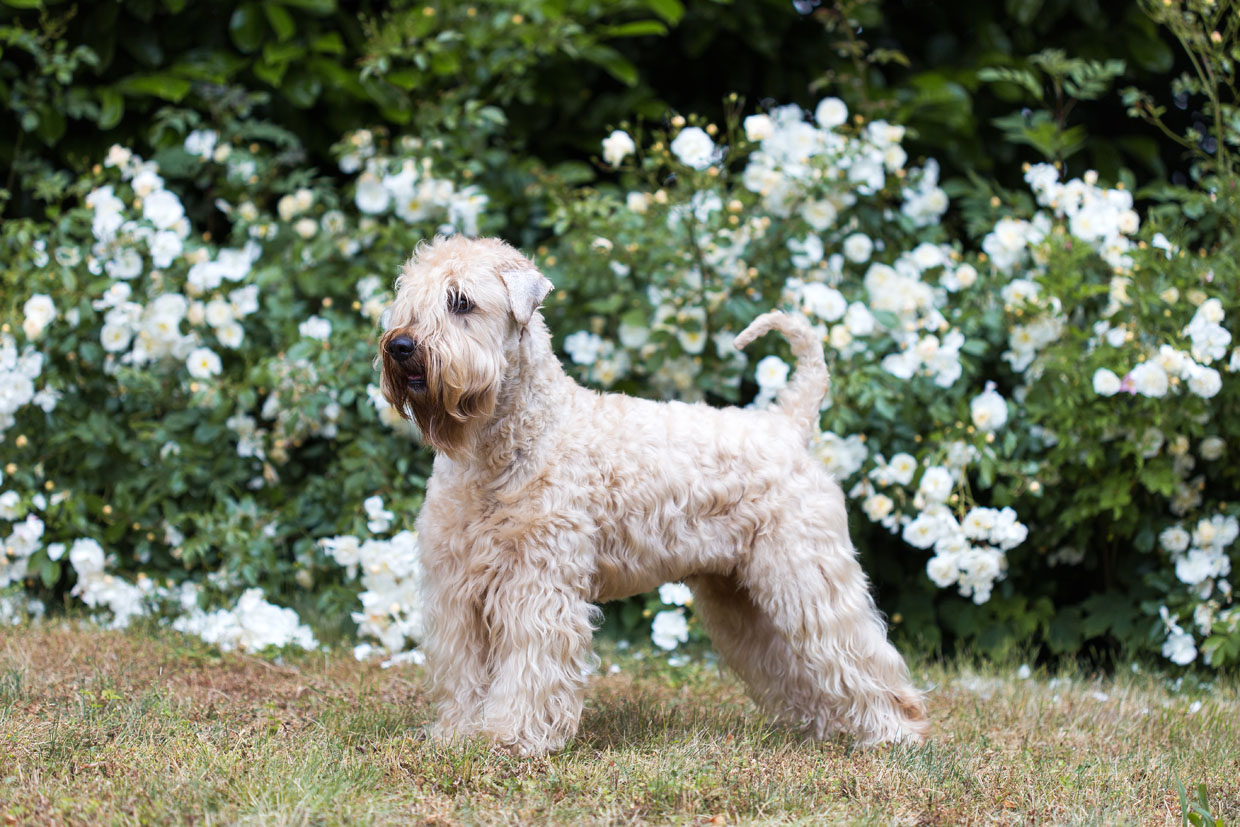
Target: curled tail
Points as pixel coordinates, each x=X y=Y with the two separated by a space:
x=802 y=396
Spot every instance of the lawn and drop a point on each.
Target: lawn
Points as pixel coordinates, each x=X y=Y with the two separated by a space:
x=148 y=727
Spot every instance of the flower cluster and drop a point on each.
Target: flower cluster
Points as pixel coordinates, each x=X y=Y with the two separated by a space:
x=670 y=627
x=18 y=372
x=391 y=577
x=408 y=187
x=252 y=625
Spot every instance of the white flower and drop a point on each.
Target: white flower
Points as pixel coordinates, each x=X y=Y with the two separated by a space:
x=218 y=312
x=39 y=311
x=115 y=337
x=978 y=522
x=936 y=484
x=1174 y=539
x=819 y=214
x=1195 y=566
x=988 y=410
x=231 y=335
x=371 y=197
x=859 y=319
x=942 y=570
x=164 y=247
x=203 y=363
x=1180 y=648
x=306 y=227
x=675 y=594
x=315 y=327
x=758 y=127
x=694 y=148
x=163 y=209
x=380 y=519
x=1106 y=383
x=771 y=373
x=901 y=365
x=1149 y=379
x=583 y=347
x=10 y=506
x=806 y=253
x=902 y=467
x=86 y=557
x=1212 y=448
x=923 y=531
x=966 y=275
x=1204 y=382
x=825 y=302
x=858 y=247
x=617 y=146
x=877 y=506
x=830 y=113
x=669 y=629
x=201 y=142
x=118 y=156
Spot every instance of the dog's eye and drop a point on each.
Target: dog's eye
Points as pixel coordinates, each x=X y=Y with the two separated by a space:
x=459 y=303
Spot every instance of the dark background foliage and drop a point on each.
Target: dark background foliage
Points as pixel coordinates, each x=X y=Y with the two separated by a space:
x=563 y=74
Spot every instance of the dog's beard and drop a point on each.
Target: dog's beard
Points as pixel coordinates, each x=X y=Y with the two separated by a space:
x=447 y=399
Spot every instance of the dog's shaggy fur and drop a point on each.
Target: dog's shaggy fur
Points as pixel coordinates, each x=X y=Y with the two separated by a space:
x=547 y=498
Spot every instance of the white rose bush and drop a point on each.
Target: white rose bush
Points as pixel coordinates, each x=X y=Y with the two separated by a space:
x=1033 y=407
x=190 y=418
x=1015 y=416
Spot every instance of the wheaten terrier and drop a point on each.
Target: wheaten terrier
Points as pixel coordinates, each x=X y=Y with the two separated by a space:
x=547 y=498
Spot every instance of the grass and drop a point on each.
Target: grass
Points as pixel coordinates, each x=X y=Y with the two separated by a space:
x=146 y=727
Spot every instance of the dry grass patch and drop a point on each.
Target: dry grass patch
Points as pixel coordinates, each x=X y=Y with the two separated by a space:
x=149 y=727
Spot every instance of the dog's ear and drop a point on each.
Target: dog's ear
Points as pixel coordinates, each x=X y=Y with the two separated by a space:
x=526 y=290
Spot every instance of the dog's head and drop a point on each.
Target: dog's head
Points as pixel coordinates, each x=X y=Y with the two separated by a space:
x=453 y=331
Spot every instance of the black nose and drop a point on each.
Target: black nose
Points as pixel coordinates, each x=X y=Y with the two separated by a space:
x=401 y=348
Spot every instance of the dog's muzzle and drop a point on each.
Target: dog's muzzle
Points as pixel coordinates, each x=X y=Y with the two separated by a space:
x=402 y=350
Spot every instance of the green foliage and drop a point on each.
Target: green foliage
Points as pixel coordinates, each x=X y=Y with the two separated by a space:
x=1197 y=813
x=659 y=259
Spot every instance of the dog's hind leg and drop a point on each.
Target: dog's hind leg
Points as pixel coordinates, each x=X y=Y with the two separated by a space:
x=805 y=579
x=752 y=646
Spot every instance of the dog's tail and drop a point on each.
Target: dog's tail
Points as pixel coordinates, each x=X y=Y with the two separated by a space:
x=801 y=398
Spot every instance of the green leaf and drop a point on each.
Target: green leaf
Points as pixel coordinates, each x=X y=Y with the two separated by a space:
x=159 y=85
x=1024 y=10
x=1111 y=612
x=302 y=89
x=49 y=573
x=24 y=4
x=144 y=45
x=270 y=74
x=638 y=28
x=276 y=53
x=281 y=21
x=445 y=63
x=1063 y=633
x=313 y=6
x=111 y=108
x=612 y=62
x=670 y=10
x=329 y=43
x=246 y=27
x=1020 y=77
x=51 y=124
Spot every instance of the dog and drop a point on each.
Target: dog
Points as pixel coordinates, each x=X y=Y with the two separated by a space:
x=547 y=498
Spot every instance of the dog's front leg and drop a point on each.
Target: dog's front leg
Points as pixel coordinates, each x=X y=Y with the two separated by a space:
x=456 y=643
x=541 y=629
